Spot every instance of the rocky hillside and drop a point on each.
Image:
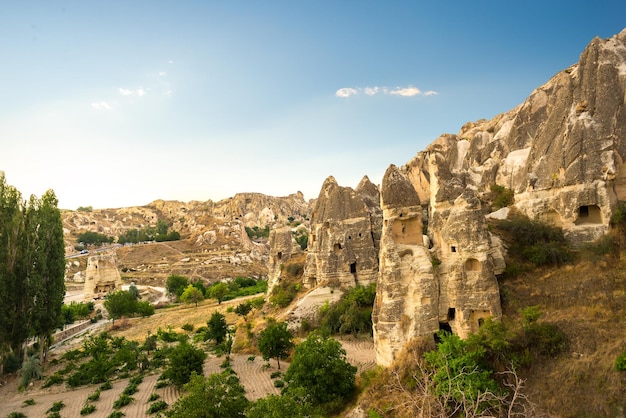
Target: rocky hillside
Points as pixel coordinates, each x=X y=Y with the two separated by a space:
x=213 y=245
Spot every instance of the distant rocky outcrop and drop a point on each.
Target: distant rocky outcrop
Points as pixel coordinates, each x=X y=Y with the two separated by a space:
x=345 y=234
x=102 y=275
x=214 y=244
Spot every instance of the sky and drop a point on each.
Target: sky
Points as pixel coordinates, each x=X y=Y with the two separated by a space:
x=119 y=103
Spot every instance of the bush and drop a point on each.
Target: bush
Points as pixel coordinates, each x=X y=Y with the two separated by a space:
x=123 y=400
x=56 y=407
x=153 y=397
x=54 y=379
x=31 y=369
x=87 y=409
x=157 y=406
x=502 y=196
x=535 y=242
x=94 y=396
x=278 y=383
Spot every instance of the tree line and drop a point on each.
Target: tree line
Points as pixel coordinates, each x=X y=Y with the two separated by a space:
x=32 y=269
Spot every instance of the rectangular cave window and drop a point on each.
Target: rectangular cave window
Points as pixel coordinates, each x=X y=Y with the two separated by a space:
x=453 y=248
x=451 y=314
x=353 y=267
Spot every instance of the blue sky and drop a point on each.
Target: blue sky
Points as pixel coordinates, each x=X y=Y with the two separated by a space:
x=119 y=103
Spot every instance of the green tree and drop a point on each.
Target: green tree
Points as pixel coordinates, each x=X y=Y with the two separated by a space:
x=275 y=341
x=48 y=272
x=161 y=227
x=221 y=395
x=176 y=284
x=218 y=291
x=243 y=309
x=183 y=360
x=192 y=295
x=217 y=329
x=294 y=404
x=458 y=372
x=120 y=303
x=319 y=366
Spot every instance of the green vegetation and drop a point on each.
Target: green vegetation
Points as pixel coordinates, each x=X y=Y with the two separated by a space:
x=302 y=238
x=159 y=234
x=32 y=270
x=192 y=295
x=257 y=232
x=94 y=238
x=352 y=314
x=157 y=407
x=458 y=374
x=534 y=243
x=124 y=303
x=70 y=313
x=217 y=329
x=217 y=396
x=501 y=196
x=85 y=209
x=241 y=286
x=275 y=341
x=183 y=360
x=176 y=284
x=319 y=367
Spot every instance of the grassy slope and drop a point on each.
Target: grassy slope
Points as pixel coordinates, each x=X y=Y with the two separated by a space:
x=587 y=300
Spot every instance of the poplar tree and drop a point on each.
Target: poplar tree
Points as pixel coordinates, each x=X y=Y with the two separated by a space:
x=48 y=285
x=32 y=269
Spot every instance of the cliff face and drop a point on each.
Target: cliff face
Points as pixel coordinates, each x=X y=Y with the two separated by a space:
x=562 y=152
x=345 y=233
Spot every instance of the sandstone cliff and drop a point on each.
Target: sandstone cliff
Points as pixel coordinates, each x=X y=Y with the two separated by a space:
x=345 y=234
x=562 y=152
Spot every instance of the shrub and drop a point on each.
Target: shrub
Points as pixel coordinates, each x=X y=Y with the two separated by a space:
x=56 y=407
x=28 y=402
x=116 y=414
x=31 y=369
x=131 y=389
x=502 y=196
x=94 y=396
x=16 y=415
x=106 y=386
x=188 y=327
x=157 y=406
x=278 y=383
x=87 y=409
x=153 y=397
x=54 y=379
x=123 y=400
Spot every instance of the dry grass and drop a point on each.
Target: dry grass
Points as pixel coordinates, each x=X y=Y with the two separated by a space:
x=588 y=303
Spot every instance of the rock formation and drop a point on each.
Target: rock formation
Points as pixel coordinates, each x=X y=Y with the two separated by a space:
x=102 y=275
x=283 y=246
x=562 y=152
x=407 y=292
x=345 y=233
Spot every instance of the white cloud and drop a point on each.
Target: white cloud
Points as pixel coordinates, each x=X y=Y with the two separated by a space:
x=162 y=73
x=128 y=92
x=370 y=91
x=101 y=106
x=409 y=91
x=125 y=92
x=170 y=62
x=346 y=92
